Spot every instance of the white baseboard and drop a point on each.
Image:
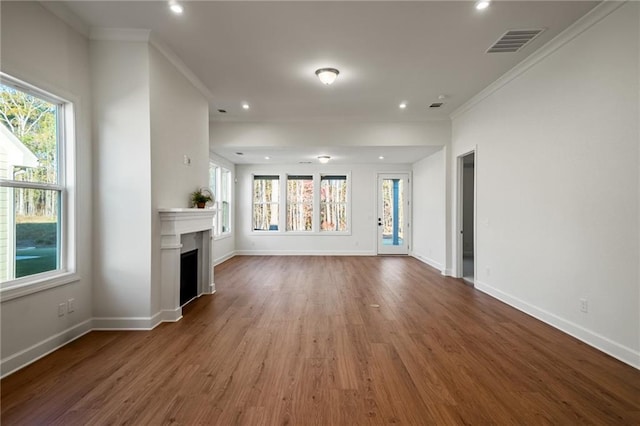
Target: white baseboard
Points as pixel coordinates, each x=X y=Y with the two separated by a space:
x=224 y=258
x=616 y=350
x=447 y=272
x=429 y=261
x=303 y=253
x=41 y=349
x=128 y=323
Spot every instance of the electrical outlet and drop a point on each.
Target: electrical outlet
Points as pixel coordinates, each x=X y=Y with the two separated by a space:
x=62 y=307
x=71 y=305
x=584 y=305
x=186 y=160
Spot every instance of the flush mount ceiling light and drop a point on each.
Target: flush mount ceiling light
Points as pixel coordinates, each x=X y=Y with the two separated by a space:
x=381 y=158
x=324 y=159
x=245 y=106
x=403 y=105
x=482 y=4
x=327 y=75
x=176 y=8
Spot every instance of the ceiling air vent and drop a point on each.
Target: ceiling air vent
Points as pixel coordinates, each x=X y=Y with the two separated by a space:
x=514 y=40
x=435 y=105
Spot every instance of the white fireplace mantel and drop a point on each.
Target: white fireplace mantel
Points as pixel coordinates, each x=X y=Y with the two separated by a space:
x=176 y=222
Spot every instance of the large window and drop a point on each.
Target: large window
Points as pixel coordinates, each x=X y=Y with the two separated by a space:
x=333 y=203
x=220 y=183
x=266 y=203
x=316 y=204
x=32 y=182
x=299 y=203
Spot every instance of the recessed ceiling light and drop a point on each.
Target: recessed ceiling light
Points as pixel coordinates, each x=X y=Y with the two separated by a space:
x=245 y=106
x=176 y=8
x=267 y=158
x=381 y=158
x=482 y=4
x=403 y=105
x=327 y=75
x=324 y=159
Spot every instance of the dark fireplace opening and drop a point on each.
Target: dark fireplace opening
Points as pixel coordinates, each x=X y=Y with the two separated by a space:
x=188 y=276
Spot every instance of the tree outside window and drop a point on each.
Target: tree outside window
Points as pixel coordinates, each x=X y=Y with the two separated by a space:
x=299 y=203
x=266 y=203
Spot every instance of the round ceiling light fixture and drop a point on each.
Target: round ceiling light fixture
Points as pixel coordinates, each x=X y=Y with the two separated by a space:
x=327 y=75
x=324 y=159
x=176 y=8
x=482 y=4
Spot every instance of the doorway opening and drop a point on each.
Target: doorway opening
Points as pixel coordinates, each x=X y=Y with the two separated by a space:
x=393 y=213
x=466 y=221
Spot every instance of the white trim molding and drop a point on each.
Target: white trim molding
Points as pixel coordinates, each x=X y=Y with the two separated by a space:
x=597 y=14
x=224 y=258
x=429 y=261
x=304 y=253
x=27 y=356
x=616 y=350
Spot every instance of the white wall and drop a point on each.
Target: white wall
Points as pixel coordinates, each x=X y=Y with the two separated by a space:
x=179 y=126
x=122 y=187
x=557 y=186
x=39 y=49
x=362 y=240
x=429 y=210
x=224 y=247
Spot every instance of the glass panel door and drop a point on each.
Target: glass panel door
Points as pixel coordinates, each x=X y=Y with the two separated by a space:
x=393 y=209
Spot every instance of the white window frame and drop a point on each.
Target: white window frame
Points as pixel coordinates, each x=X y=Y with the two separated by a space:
x=313 y=203
x=219 y=234
x=282 y=216
x=66 y=179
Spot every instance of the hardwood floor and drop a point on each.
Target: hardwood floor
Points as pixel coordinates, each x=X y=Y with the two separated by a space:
x=297 y=340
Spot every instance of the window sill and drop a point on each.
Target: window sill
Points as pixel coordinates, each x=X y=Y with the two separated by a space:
x=223 y=236
x=20 y=288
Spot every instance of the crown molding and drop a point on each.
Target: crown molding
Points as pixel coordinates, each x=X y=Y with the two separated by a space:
x=119 y=34
x=594 y=16
x=66 y=15
x=181 y=67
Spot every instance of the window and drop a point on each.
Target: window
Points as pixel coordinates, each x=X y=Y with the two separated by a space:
x=266 y=203
x=299 y=203
x=333 y=203
x=316 y=204
x=220 y=183
x=32 y=182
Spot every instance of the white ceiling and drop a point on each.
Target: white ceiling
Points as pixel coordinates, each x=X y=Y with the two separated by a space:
x=265 y=53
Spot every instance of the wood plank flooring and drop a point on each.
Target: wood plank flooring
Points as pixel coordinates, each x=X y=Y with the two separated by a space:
x=296 y=341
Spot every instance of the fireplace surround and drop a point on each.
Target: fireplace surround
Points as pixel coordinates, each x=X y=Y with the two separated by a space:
x=175 y=223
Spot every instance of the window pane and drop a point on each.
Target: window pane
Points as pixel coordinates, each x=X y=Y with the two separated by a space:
x=266 y=189
x=333 y=189
x=225 y=194
x=30 y=144
x=333 y=203
x=333 y=217
x=265 y=217
x=29 y=226
x=299 y=203
x=213 y=180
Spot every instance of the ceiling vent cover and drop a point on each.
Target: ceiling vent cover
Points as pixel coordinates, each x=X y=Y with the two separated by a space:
x=435 y=105
x=514 y=40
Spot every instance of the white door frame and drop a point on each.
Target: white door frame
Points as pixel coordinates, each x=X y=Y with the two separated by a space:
x=459 y=272
x=407 y=215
